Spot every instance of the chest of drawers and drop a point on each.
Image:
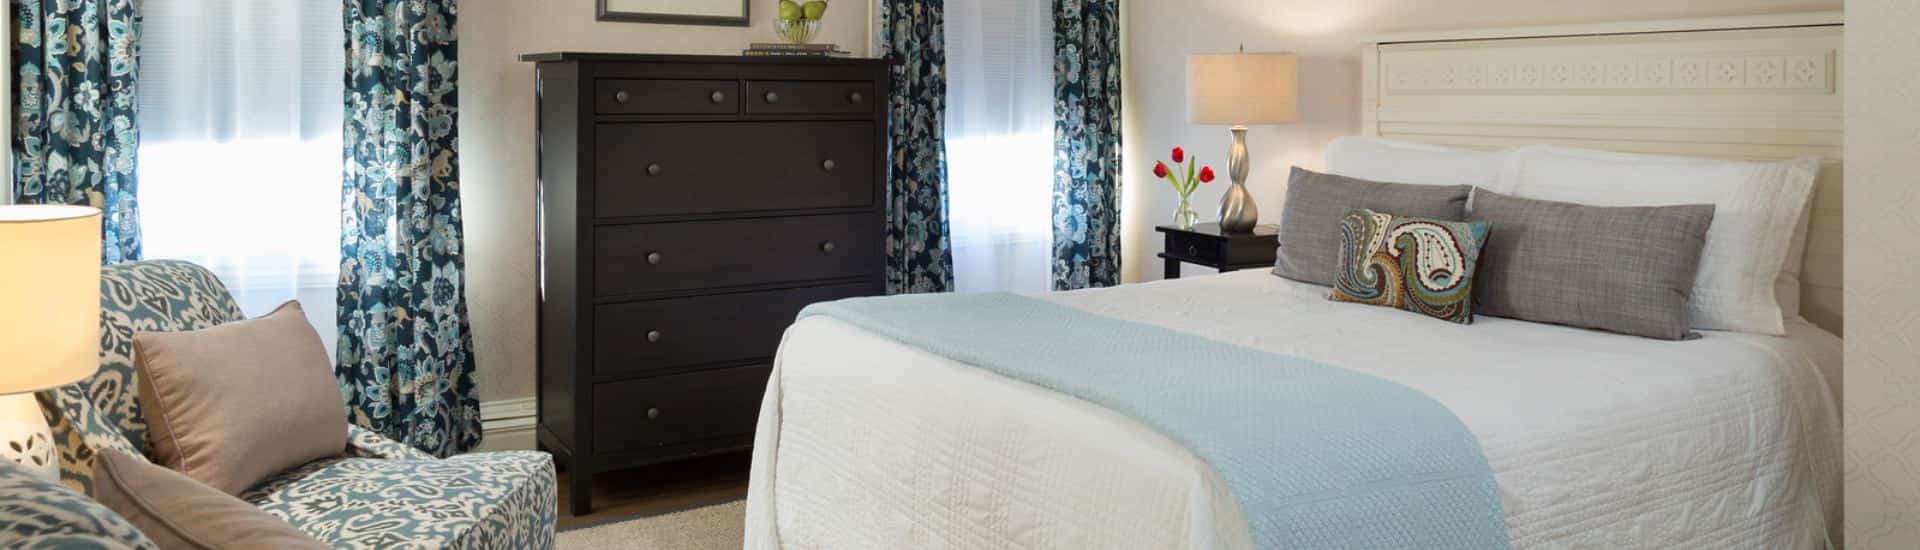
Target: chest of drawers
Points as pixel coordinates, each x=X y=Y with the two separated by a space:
x=689 y=207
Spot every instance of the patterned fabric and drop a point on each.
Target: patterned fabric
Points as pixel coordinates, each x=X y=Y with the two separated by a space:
x=364 y=443
x=489 y=500
x=1422 y=265
x=1086 y=152
x=405 y=350
x=74 y=139
x=36 y=513
x=919 y=253
x=103 y=411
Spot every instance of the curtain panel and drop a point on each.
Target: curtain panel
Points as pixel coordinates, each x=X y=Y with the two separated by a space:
x=1086 y=108
x=74 y=137
x=405 y=350
x=919 y=256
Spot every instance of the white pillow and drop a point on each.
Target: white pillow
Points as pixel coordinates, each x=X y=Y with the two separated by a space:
x=1386 y=160
x=1757 y=209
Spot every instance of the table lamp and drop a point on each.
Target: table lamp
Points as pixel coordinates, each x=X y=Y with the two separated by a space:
x=1240 y=89
x=49 y=319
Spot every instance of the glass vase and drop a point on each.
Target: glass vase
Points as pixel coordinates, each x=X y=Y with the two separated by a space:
x=1184 y=216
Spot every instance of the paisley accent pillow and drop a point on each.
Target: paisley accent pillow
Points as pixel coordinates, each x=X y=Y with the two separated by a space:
x=1422 y=265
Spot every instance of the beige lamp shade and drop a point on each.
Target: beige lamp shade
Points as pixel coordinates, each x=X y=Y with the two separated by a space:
x=1242 y=88
x=49 y=296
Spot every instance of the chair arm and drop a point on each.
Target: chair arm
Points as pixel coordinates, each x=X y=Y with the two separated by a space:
x=365 y=443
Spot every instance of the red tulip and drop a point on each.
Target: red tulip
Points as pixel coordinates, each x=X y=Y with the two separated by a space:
x=1159 y=169
x=1179 y=155
x=1206 y=174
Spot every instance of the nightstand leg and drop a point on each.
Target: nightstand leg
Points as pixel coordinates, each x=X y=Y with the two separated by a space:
x=1173 y=269
x=580 y=487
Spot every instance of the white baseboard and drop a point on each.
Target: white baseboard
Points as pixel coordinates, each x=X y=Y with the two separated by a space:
x=507 y=424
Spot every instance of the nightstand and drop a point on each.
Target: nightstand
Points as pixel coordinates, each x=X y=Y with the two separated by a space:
x=1206 y=245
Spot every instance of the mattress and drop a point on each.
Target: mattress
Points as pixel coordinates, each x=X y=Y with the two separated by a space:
x=1596 y=439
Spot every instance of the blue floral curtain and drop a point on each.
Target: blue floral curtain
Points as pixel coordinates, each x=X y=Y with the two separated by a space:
x=74 y=140
x=919 y=258
x=1086 y=110
x=405 y=350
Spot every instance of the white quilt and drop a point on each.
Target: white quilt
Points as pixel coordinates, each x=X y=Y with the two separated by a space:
x=1597 y=440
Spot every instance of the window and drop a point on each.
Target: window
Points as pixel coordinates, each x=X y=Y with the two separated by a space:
x=240 y=122
x=1000 y=143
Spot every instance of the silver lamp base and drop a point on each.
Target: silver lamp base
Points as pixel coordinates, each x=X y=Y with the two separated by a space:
x=1238 y=214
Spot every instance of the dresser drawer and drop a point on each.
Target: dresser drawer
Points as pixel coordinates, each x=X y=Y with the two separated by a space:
x=721 y=167
x=645 y=413
x=805 y=97
x=667 y=97
x=630 y=259
x=676 y=334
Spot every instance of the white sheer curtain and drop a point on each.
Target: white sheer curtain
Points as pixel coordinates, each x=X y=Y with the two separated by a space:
x=240 y=122
x=1000 y=143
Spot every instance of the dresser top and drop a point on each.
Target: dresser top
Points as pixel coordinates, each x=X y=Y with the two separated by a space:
x=554 y=57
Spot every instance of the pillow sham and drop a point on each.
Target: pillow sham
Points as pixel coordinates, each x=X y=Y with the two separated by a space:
x=1622 y=269
x=1757 y=209
x=180 y=513
x=1418 y=264
x=1381 y=159
x=1310 y=222
x=231 y=405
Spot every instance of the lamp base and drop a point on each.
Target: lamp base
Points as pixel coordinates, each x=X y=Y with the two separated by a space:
x=25 y=438
x=1238 y=213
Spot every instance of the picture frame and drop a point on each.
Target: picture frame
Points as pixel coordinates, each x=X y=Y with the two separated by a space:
x=676 y=12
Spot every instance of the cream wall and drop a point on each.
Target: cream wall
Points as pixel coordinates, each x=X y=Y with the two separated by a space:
x=497 y=147
x=1328 y=36
x=1883 y=354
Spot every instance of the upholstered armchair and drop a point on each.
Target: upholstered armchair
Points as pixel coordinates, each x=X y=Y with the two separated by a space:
x=377 y=494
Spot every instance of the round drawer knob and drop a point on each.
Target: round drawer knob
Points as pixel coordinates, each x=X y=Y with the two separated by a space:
x=653 y=336
x=719 y=97
x=653 y=258
x=620 y=96
x=654 y=169
x=856 y=97
x=1193 y=250
x=829 y=165
x=827 y=247
x=653 y=413
x=773 y=97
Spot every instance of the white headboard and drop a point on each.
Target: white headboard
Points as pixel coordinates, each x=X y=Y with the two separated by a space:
x=1763 y=87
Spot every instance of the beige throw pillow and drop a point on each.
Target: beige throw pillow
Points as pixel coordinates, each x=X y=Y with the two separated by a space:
x=177 y=512
x=231 y=405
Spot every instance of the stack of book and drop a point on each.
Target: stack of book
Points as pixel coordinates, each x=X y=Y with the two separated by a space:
x=795 y=50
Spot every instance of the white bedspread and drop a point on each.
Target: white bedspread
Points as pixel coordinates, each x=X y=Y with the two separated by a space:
x=1597 y=440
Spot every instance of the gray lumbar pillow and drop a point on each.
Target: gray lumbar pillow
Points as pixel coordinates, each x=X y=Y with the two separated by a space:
x=1310 y=221
x=1622 y=269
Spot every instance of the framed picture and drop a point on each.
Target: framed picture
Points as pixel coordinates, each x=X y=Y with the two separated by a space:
x=732 y=13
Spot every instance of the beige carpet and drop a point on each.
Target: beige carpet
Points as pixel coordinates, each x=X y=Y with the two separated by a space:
x=716 y=526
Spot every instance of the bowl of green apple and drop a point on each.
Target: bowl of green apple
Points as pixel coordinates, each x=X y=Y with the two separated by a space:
x=798 y=22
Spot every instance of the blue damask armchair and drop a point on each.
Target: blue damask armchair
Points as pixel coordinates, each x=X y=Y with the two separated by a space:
x=378 y=494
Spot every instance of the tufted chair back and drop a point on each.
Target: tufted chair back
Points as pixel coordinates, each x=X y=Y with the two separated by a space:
x=103 y=411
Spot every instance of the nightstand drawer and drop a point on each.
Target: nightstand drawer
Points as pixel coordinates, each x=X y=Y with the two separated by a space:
x=683 y=333
x=1194 y=247
x=646 y=413
x=667 y=97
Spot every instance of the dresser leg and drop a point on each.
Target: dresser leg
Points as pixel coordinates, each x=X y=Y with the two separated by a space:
x=580 y=487
x=1172 y=270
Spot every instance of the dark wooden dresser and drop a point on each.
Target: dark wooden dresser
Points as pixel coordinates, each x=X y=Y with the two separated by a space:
x=689 y=207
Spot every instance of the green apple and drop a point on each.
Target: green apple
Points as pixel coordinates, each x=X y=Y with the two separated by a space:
x=790 y=10
x=815 y=9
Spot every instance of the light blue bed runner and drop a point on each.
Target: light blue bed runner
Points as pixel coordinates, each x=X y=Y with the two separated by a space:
x=1318 y=456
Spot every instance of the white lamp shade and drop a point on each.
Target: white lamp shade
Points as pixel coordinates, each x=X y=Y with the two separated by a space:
x=49 y=296
x=1242 y=88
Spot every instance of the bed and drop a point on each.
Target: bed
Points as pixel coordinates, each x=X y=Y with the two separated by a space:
x=1594 y=439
